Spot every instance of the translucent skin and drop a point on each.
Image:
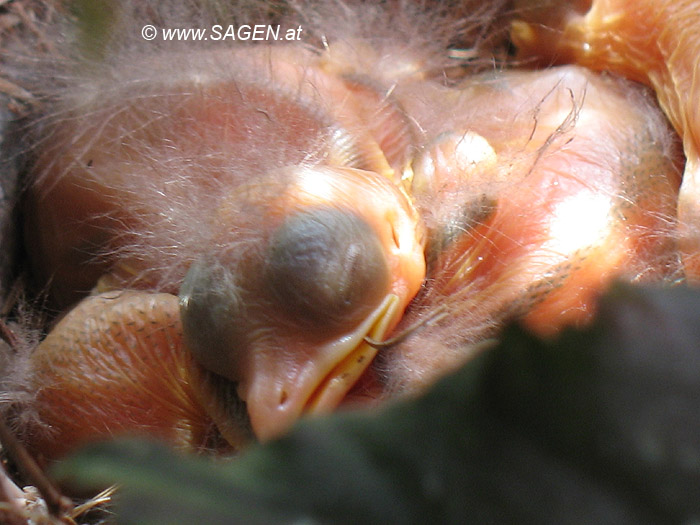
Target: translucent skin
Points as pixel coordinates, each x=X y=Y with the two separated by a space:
x=139 y=185
x=653 y=42
x=116 y=365
x=116 y=161
x=536 y=189
x=512 y=254
x=570 y=180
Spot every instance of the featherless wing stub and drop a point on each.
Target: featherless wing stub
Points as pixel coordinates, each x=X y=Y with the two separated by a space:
x=558 y=182
x=262 y=195
x=116 y=365
x=324 y=222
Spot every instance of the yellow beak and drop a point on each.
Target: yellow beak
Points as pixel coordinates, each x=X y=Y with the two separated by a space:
x=282 y=305
x=279 y=391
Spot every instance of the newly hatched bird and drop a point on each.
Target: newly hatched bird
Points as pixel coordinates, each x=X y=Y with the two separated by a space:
x=278 y=228
x=655 y=43
x=261 y=183
x=257 y=184
x=537 y=189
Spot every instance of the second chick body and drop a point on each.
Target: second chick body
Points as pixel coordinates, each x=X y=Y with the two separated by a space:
x=307 y=199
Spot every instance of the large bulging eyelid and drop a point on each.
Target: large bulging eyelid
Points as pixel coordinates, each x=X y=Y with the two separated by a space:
x=326 y=267
x=212 y=311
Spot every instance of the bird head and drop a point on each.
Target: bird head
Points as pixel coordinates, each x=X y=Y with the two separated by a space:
x=284 y=304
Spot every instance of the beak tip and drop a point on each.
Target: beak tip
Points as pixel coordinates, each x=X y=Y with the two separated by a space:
x=272 y=407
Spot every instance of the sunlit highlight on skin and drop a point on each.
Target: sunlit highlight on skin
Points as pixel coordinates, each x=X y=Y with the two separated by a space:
x=578 y=222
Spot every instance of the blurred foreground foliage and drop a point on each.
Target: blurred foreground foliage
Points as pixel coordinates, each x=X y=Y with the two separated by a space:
x=599 y=426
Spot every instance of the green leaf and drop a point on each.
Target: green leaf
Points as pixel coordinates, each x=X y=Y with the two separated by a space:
x=599 y=426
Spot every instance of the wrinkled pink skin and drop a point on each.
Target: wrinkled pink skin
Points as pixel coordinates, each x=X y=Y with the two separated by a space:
x=653 y=42
x=528 y=191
